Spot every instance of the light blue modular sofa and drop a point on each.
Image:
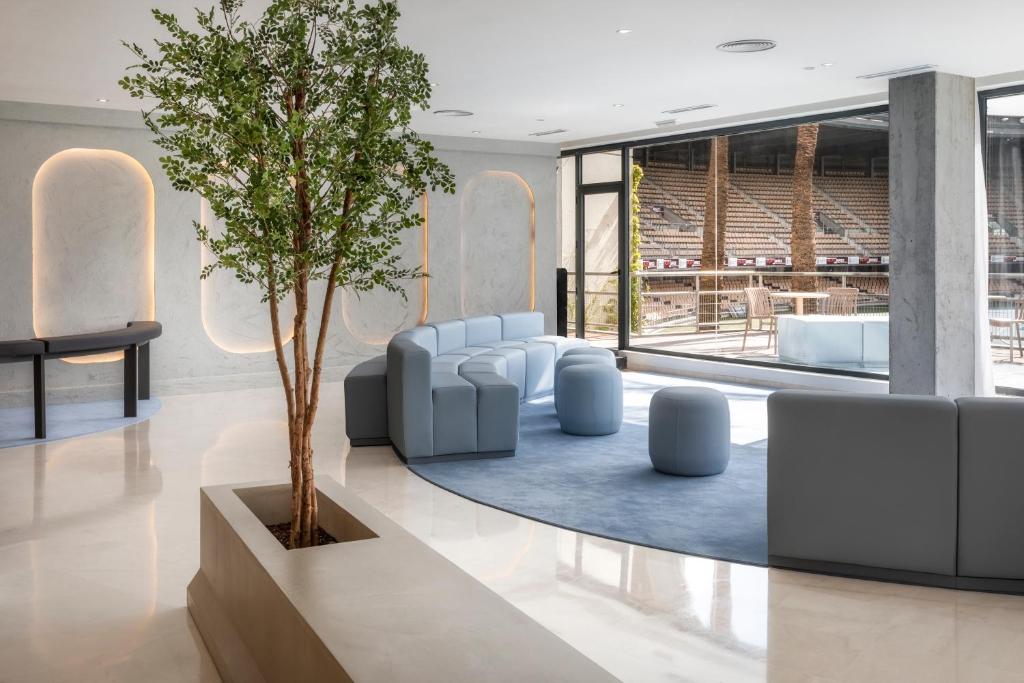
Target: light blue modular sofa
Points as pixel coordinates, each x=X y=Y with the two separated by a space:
x=454 y=387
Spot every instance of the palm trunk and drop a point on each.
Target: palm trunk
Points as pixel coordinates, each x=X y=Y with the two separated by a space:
x=802 y=234
x=716 y=212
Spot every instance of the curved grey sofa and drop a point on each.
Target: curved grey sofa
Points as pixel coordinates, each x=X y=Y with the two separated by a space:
x=916 y=489
x=454 y=387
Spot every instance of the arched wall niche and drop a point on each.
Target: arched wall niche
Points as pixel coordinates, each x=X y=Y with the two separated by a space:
x=234 y=316
x=93 y=220
x=374 y=317
x=498 y=227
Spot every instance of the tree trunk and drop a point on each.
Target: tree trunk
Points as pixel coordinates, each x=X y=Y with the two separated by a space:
x=716 y=212
x=802 y=234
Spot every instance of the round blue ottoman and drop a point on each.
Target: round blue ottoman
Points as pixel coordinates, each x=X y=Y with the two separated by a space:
x=688 y=431
x=589 y=399
x=567 y=361
x=590 y=351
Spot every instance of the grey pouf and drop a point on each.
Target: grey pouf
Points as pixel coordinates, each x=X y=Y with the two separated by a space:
x=688 y=431
x=568 y=361
x=589 y=399
x=590 y=351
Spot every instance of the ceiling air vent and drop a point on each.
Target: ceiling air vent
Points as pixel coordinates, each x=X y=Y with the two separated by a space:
x=747 y=45
x=553 y=131
x=692 y=107
x=665 y=122
x=452 y=112
x=899 y=72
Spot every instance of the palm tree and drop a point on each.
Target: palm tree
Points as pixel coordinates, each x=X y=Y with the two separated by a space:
x=716 y=211
x=802 y=231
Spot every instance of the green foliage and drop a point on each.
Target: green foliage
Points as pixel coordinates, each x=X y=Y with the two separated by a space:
x=636 y=263
x=296 y=129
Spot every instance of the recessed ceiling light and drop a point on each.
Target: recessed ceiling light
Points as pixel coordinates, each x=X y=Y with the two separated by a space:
x=452 y=112
x=827 y=65
x=692 y=107
x=102 y=100
x=476 y=132
x=899 y=72
x=665 y=122
x=618 y=106
x=747 y=45
x=624 y=31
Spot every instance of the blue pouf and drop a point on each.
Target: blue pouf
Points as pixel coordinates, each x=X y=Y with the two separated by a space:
x=590 y=351
x=569 y=360
x=688 y=431
x=589 y=399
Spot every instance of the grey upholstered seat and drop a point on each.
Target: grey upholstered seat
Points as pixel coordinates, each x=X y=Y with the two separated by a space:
x=579 y=359
x=454 y=407
x=590 y=400
x=20 y=348
x=447 y=363
x=990 y=529
x=486 y=363
x=497 y=413
x=688 y=431
x=561 y=344
x=366 y=403
x=589 y=351
x=861 y=481
x=515 y=366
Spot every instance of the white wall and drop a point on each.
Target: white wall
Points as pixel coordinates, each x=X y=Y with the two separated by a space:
x=478 y=246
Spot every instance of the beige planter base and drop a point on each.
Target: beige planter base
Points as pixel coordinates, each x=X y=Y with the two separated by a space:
x=381 y=606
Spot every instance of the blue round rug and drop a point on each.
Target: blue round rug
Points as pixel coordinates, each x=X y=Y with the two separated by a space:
x=605 y=485
x=66 y=420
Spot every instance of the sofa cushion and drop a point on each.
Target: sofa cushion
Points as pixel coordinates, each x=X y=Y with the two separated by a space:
x=515 y=366
x=423 y=336
x=482 y=329
x=487 y=363
x=454 y=402
x=497 y=412
x=540 y=368
x=469 y=351
x=991 y=535
x=448 y=363
x=522 y=325
x=366 y=402
x=864 y=480
x=451 y=335
x=410 y=422
x=561 y=344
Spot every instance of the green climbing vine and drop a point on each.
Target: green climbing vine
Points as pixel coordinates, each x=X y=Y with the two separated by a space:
x=635 y=261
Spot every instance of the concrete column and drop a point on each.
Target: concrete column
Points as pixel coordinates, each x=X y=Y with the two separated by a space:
x=938 y=330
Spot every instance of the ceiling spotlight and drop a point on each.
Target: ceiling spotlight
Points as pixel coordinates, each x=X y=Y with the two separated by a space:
x=102 y=100
x=827 y=65
x=618 y=106
x=452 y=112
x=476 y=132
x=747 y=45
x=624 y=31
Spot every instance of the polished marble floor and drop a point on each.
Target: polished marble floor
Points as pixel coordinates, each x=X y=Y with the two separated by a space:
x=99 y=536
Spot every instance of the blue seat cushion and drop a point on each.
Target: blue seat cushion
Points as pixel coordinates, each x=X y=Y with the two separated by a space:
x=497 y=410
x=522 y=325
x=454 y=402
x=447 y=363
x=561 y=344
x=469 y=351
x=540 y=368
x=515 y=366
x=482 y=329
x=451 y=335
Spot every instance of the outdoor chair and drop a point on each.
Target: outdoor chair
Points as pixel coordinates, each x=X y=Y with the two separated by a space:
x=760 y=309
x=1012 y=324
x=841 y=301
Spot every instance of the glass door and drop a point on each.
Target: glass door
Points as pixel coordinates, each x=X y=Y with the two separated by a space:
x=598 y=297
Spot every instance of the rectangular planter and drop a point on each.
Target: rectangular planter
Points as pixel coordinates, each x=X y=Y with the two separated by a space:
x=379 y=606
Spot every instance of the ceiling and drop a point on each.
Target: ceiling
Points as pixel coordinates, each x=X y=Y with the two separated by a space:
x=512 y=63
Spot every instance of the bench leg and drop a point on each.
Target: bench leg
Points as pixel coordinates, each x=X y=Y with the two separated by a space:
x=144 y=372
x=131 y=381
x=39 y=394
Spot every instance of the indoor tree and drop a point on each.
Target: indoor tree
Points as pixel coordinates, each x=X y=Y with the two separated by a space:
x=295 y=127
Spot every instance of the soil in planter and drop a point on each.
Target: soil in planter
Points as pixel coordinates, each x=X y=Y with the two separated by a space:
x=283 y=531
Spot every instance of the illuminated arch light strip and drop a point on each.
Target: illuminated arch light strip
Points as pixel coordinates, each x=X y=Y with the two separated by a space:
x=518 y=179
x=48 y=322
x=424 y=285
x=222 y=336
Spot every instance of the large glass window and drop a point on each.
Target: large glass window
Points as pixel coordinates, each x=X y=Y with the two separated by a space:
x=1004 y=180
x=767 y=246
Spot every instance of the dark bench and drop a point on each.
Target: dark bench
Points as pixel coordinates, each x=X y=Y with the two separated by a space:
x=133 y=340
